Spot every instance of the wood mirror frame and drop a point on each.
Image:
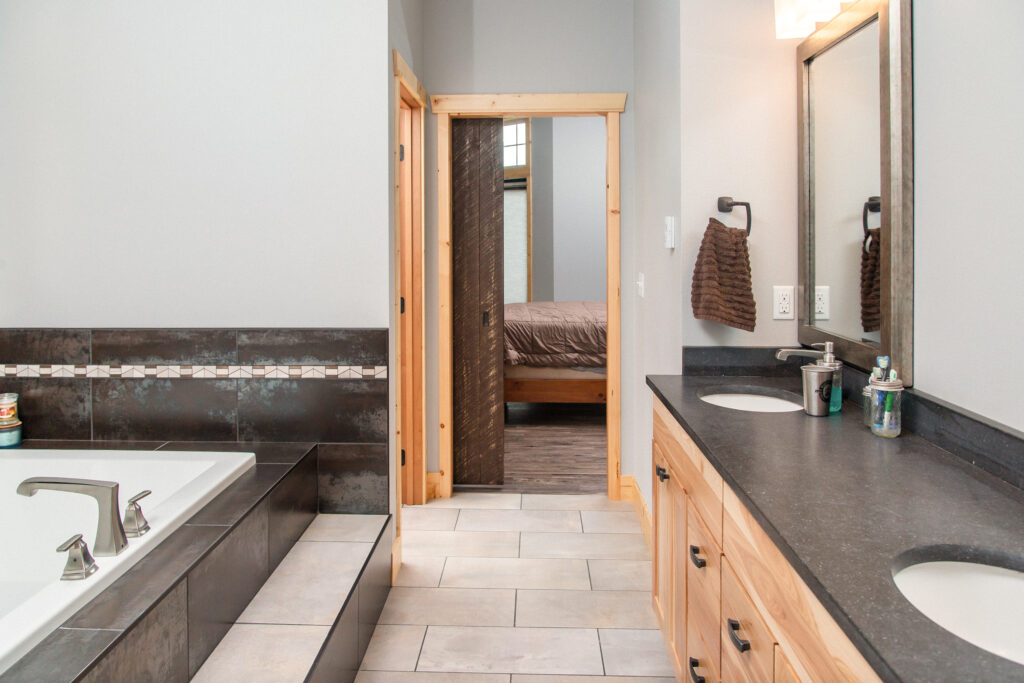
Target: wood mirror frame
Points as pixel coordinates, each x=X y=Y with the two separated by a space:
x=897 y=176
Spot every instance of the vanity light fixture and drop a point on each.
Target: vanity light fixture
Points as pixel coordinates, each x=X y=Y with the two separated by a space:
x=799 y=18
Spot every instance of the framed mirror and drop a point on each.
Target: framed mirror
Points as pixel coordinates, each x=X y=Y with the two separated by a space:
x=856 y=251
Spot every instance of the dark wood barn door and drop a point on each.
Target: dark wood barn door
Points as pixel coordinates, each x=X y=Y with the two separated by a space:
x=477 y=301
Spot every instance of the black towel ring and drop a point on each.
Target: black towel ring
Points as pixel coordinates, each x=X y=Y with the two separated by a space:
x=872 y=205
x=725 y=205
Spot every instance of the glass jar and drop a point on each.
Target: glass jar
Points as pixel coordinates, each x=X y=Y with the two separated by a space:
x=886 y=407
x=866 y=400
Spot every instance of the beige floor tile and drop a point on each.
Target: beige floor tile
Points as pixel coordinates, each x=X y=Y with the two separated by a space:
x=417 y=543
x=429 y=518
x=587 y=546
x=261 y=653
x=620 y=575
x=479 y=500
x=309 y=586
x=511 y=650
x=483 y=572
x=429 y=677
x=393 y=648
x=451 y=606
x=590 y=501
x=584 y=609
x=634 y=653
x=526 y=678
x=420 y=571
x=610 y=522
x=519 y=520
x=355 y=528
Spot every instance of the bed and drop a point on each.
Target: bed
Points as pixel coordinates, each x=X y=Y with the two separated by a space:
x=556 y=352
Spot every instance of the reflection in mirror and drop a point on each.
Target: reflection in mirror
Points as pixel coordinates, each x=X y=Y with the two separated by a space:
x=845 y=112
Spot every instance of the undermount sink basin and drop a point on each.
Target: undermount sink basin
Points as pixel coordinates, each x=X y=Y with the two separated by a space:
x=753 y=399
x=981 y=603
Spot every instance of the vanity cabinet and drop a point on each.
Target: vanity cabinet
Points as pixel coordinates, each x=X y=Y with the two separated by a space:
x=731 y=608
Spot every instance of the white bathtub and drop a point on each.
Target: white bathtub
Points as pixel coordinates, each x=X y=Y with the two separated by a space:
x=33 y=599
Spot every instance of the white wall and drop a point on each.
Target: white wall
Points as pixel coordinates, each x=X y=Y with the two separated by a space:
x=578 y=154
x=525 y=46
x=193 y=163
x=658 y=325
x=739 y=139
x=968 y=174
x=543 y=209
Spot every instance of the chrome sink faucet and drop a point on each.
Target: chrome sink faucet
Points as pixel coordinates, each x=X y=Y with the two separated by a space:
x=784 y=354
x=110 y=536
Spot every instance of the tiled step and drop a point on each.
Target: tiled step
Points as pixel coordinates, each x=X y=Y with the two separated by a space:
x=313 y=618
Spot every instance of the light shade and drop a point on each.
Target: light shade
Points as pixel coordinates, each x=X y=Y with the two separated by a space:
x=798 y=18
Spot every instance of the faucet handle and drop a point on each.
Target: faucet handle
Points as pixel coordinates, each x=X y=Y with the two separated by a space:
x=80 y=564
x=135 y=523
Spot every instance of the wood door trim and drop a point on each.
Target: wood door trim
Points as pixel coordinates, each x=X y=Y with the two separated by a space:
x=528 y=104
x=410 y=485
x=446 y=107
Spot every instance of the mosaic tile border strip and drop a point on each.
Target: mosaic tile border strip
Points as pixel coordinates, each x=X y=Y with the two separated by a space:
x=197 y=371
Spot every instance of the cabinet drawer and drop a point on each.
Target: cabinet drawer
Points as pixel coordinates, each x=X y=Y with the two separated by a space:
x=702 y=483
x=815 y=644
x=748 y=649
x=704 y=583
x=699 y=662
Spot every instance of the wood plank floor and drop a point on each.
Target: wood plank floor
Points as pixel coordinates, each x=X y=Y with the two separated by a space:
x=555 y=448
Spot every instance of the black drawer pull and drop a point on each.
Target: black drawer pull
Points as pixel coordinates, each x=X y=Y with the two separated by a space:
x=661 y=472
x=694 y=663
x=741 y=645
x=698 y=562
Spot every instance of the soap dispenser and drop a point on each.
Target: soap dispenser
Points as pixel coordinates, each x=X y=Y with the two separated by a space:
x=828 y=360
x=823 y=382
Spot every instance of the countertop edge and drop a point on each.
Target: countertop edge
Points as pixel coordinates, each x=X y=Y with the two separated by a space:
x=859 y=640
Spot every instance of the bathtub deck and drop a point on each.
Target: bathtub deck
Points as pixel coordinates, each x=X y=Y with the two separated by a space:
x=288 y=623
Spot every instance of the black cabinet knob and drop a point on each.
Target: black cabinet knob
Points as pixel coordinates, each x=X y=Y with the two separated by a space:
x=741 y=645
x=698 y=562
x=694 y=663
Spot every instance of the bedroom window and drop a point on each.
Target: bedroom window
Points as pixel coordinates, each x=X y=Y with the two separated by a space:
x=515 y=143
x=518 y=210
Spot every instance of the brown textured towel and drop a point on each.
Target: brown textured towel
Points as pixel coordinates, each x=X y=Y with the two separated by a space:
x=870 y=281
x=721 y=279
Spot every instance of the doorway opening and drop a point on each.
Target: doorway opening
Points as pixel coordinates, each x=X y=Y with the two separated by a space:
x=527 y=407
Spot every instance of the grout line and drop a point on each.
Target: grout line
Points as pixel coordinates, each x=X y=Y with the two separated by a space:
x=600 y=649
x=440 y=578
x=515 y=610
x=589 y=577
x=420 y=653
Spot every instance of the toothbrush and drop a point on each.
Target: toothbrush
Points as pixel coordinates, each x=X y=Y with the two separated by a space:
x=883 y=367
x=889 y=399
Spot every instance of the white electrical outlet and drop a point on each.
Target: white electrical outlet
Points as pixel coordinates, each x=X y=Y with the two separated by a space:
x=782 y=302
x=640 y=284
x=821 y=304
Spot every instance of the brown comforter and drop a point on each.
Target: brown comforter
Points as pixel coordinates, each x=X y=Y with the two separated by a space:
x=557 y=334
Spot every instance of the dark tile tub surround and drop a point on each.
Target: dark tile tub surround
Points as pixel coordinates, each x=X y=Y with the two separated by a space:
x=845 y=507
x=353 y=478
x=263 y=409
x=43 y=345
x=160 y=620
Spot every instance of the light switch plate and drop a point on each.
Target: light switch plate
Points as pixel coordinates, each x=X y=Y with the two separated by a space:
x=782 y=302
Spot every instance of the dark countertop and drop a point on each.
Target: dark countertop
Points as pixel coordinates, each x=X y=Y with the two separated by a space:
x=842 y=505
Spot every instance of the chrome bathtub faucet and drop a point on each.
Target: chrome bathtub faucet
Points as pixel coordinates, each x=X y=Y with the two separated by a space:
x=110 y=536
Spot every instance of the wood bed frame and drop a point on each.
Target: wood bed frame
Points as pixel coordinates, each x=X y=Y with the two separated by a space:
x=555 y=390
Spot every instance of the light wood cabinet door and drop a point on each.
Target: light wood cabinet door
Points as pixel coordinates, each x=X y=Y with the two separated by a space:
x=699 y=662
x=703 y=563
x=748 y=648
x=783 y=669
x=662 y=565
x=679 y=605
